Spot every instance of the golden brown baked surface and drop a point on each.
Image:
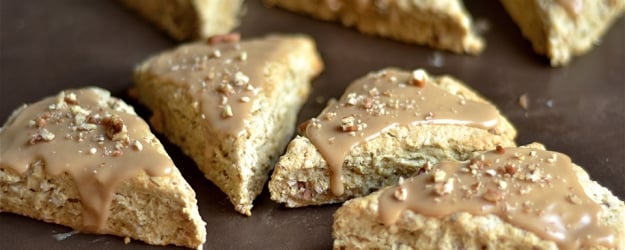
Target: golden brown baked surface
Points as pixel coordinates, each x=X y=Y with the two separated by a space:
x=302 y=176
x=441 y=24
x=230 y=105
x=99 y=188
x=189 y=19
x=358 y=224
x=562 y=29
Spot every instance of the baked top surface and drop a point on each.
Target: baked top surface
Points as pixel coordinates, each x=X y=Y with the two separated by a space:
x=371 y=221
x=83 y=44
x=223 y=78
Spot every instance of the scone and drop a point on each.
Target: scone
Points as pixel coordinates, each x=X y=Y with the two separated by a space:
x=189 y=19
x=388 y=124
x=508 y=198
x=85 y=160
x=230 y=105
x=561 y=29
x=441 y=24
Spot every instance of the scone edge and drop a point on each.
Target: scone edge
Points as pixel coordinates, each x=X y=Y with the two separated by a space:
x=238 y=165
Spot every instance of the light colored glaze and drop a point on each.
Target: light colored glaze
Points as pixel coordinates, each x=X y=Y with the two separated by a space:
x=532 y=189
x=383 y=100
x=223 y=78
x=99 y=147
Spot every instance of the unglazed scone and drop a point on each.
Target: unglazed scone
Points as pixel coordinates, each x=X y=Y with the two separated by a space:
x=189 y=19
x=561 y=29
x=442 y=24
x=230 y=105
x=509 y=198
x=388 y=124
x=85 y=160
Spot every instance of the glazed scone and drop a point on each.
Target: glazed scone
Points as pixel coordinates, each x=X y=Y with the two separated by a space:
x=85 y=160
x=388 y=124
x=230 y=105
x=509 y=198
x=189 y=19
x=561 y=29
x=441 y=24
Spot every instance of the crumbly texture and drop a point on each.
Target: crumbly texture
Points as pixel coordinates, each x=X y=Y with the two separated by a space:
x=356 y=226
x=157 y=210
x=189 y=19
x=238 y=165
x=442 y=24
x=302 y=177
x=559 y=32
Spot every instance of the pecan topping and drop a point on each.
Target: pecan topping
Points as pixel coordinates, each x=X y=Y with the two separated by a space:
x=226 y=38
x=351 y=124
x=41 y=136
x=500 y=150
x=493 y=195
x=419 y=78
x=114 y=127
x=401 y=193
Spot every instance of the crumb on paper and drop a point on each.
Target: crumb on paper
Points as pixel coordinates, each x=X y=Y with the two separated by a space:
x=524 y=102
x=64 y=236
x=126 y=240
x=320 y=99
x=436 y=59
x=481 y=25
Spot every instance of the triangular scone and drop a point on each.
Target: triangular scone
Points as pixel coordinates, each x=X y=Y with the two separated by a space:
x=387 y=124
x=441 y=24
x=189 y=19
x=230 y=105
x=85 y=160
x=561 y=29
x=509 y=198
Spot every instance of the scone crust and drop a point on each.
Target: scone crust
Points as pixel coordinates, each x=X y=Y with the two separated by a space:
x=189 y=19
x=238 y=165
x=157 y=210
x=302 y=177
x=356 y=226
x=559 y=34
x=442 y=24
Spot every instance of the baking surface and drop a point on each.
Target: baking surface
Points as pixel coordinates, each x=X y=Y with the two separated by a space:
x=48 y=46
